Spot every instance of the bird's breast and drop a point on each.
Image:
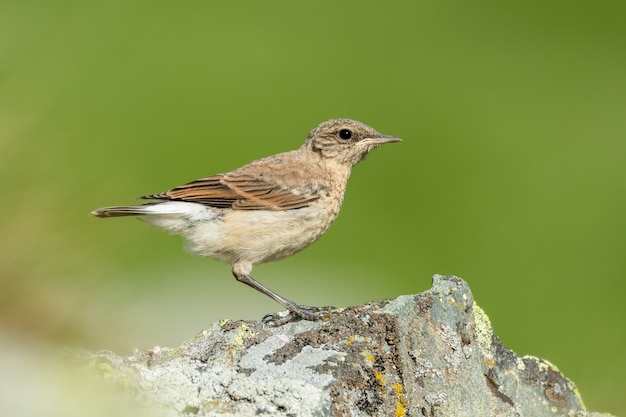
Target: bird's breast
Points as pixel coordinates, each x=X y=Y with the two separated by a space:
x=259 y=236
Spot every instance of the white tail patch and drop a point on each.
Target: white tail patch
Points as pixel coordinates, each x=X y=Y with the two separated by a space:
x=190 y=211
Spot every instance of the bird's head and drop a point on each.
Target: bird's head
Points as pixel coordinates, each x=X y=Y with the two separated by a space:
x=344 y=140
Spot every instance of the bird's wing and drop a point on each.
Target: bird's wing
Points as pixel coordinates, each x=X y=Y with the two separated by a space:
x=238 y=191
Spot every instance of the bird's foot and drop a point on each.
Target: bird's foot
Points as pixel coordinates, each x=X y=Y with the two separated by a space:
x=300 y=312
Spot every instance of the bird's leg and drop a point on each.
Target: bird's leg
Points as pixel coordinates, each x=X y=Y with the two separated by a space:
x=295 y=311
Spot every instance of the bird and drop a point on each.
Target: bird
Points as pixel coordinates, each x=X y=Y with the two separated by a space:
x=266 y=210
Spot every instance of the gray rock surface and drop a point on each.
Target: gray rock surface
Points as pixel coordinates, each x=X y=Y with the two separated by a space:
x=429 y=354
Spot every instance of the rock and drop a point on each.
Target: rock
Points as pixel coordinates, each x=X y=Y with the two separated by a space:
x=429 y=354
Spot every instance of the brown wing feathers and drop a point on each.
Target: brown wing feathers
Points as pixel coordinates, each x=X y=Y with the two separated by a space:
x=209 y=191
x=243 y=192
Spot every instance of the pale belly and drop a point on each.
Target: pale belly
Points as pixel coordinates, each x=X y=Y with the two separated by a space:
x=257 y=236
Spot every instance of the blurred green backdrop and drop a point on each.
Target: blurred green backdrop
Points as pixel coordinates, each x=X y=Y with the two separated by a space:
x=511 y=173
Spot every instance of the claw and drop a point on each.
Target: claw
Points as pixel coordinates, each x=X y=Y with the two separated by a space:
x=300 y=312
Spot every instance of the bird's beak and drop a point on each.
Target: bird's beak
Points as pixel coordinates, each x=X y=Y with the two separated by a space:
x=381 y=140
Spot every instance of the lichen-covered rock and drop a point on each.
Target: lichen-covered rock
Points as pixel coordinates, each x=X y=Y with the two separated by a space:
x=430 y=354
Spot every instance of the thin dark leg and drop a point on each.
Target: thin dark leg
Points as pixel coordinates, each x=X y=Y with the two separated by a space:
x=296 y=311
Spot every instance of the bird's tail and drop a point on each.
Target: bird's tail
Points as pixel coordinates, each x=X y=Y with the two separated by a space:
x=158 y=208
x=121 y=211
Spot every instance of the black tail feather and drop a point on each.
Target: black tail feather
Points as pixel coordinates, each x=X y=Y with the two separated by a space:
x=119 y=211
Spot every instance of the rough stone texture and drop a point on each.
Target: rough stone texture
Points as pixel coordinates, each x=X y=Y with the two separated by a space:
x=430 y=354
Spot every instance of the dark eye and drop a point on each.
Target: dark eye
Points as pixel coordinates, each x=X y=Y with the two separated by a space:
x=345 y=134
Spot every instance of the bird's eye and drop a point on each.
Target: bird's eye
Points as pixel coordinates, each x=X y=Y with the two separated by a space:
x=345 y=134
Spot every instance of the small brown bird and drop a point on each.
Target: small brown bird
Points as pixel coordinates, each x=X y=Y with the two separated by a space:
x=266 y=210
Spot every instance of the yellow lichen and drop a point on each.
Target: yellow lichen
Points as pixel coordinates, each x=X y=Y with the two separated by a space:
x=397 y=387
x=574 y=389
x=368 y=356
x=381 y=378
x=401 y=404
x=243 y=334
x=484 y=331
x=489 y=362
x=173 y=352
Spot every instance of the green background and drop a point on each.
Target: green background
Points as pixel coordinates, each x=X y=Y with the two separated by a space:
x=511 y=173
